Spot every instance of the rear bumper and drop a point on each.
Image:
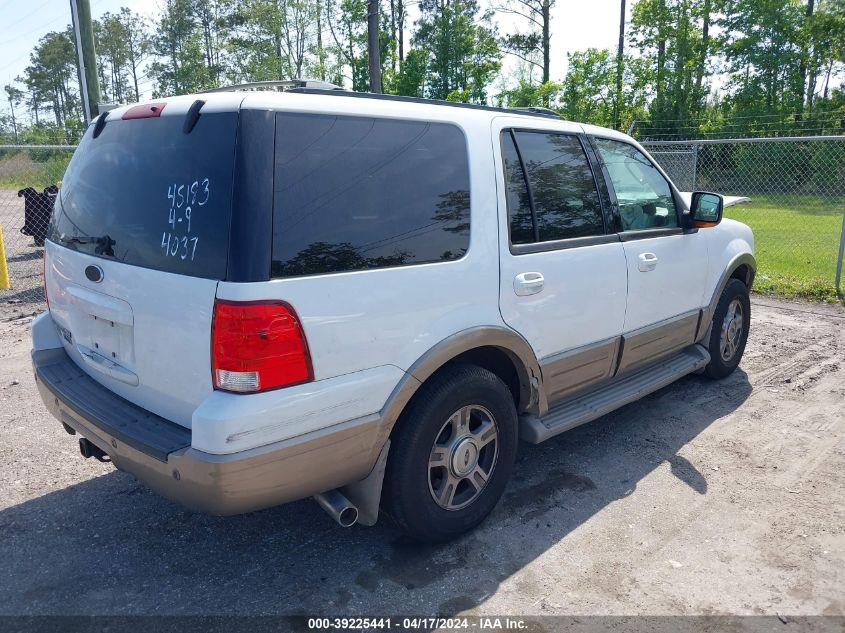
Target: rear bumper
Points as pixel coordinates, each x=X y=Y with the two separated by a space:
x=159 y=452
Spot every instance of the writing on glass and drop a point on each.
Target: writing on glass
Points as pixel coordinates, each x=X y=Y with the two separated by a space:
x=184 y=199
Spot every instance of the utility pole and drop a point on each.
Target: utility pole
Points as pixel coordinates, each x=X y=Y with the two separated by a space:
x=620 y=52
x=372 y=45
x=89 y=84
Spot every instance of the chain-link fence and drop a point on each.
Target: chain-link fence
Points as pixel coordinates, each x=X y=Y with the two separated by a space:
x=796 y=188
x=28 y=185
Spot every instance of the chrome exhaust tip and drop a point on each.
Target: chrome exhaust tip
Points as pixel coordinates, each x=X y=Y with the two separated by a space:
x=338 y=507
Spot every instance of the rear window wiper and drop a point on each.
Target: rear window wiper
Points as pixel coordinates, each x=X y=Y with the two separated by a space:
x=104 y=243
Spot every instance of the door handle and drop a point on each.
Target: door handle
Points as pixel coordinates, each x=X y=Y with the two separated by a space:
x=525 y=284
x=647 y=262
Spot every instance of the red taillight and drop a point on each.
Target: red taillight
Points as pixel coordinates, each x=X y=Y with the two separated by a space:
x=258 y=346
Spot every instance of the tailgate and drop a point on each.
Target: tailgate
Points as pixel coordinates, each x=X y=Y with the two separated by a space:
x=137 y=244
x=144 y=334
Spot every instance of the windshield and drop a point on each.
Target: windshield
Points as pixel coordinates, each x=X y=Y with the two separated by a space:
x=157 y=197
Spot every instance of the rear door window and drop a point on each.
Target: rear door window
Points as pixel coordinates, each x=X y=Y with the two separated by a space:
x=560 y=187
x=520 y=216
x=354 y=193
x=145 y=193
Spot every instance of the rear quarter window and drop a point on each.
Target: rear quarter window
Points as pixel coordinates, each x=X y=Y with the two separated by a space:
x=355 y=193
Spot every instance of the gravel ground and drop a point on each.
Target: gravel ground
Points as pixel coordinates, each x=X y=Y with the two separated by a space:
x=703 y=498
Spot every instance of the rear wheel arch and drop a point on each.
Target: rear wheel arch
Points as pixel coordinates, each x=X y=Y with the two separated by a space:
x=503 y=364
x=496 y=349
x=452 y=453
x=499 y=350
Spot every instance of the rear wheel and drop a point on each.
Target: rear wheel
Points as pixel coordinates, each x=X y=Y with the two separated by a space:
x=451 y=454
x=729 y=332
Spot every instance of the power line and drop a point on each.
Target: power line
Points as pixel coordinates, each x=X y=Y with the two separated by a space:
x=40 y=27
x=12 y=63
x=33 y=12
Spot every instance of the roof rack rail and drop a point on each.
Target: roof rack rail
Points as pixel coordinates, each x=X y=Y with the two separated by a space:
x=285 y=85
x=543 y=112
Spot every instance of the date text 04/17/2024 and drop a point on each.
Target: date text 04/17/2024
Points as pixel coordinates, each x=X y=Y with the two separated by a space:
x=418 y=623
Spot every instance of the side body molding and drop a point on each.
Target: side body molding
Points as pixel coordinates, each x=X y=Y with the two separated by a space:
x=531 y=397
x=575 y=370
x=647 y=344
x=743 y=259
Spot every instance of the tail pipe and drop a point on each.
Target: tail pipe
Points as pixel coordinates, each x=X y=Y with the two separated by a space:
x=338 y=507
x=89 y=449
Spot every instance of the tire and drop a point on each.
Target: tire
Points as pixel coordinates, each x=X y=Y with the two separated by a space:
x=450 y=420
x=725 y=353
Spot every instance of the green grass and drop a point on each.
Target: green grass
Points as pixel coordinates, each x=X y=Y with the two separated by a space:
x=797 y=242
x=35 y=168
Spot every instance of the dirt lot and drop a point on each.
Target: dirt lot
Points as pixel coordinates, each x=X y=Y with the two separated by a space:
x=703 y=498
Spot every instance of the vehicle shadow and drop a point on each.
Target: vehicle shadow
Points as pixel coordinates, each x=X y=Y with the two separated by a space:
x=109 y=546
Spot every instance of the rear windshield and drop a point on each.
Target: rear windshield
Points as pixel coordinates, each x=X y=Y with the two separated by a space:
x=147 y=194
x=355 y=193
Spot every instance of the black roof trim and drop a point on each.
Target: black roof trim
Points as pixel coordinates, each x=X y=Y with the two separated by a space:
x=192 y=116
x=100 y=124
x=541 y=112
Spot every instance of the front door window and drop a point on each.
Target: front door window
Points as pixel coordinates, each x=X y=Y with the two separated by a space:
x=644 y=197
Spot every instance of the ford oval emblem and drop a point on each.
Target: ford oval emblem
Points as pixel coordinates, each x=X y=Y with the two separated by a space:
x=94 y=273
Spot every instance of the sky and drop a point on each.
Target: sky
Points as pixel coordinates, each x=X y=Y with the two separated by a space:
x=576 y=25
x=22 y=24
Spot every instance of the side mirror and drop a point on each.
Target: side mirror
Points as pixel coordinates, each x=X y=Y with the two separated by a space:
x=706 y=209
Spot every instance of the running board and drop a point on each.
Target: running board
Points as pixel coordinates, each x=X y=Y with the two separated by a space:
x=585 y=408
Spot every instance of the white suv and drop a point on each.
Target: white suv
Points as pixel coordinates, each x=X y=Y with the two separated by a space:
x=256 y=297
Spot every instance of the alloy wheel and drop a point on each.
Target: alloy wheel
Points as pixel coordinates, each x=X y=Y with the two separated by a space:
x=732 y=327
x=463 y=457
